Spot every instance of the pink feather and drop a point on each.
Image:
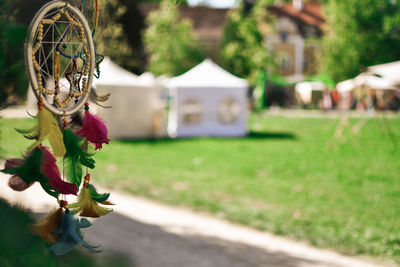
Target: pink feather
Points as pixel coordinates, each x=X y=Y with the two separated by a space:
x=51 y=171
x=94 y=130
x=15 y=182
x=13 y=163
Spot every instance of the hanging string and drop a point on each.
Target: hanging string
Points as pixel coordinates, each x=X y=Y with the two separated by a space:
x=65 y=124
x=96 y=18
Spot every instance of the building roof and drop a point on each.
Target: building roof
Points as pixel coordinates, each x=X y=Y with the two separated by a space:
x=310 y=14
x=208 y=23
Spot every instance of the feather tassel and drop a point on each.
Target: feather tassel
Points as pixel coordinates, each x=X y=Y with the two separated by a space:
x=38 y=166
x=15 y=182
x=28 y=170
x=88 y=207
x=51 y=171
x=96 y=196
x=47 y=225
x=69 y=235
x=47 y=127
x=75 y=157
x=94 y=130
x=96 y=98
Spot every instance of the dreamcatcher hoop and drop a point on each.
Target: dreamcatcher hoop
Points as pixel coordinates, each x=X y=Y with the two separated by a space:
x=50 y=14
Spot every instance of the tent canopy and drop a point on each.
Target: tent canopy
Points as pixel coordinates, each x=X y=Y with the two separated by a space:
x=112 y=74
x=304 y=89
x=208 y=74
x=365 y=79
x=388 y=71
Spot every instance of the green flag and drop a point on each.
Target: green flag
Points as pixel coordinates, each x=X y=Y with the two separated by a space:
x=259 y=91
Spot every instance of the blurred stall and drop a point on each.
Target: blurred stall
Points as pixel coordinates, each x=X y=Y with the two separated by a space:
x=136 y=110
x=312 y=94
x=207 y=101
x=389 y=71
x=367 y=90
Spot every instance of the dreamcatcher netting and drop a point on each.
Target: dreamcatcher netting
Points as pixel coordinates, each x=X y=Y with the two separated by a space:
x=61 y=62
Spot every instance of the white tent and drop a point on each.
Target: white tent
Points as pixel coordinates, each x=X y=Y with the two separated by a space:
x=135 y=110
x=365 y=79
x=389 y=71
x=207 y=101
x=304 y=90
x=112 y=74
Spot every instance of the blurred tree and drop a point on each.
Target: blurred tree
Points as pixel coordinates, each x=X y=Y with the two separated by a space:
x=243 y=52
x=169 y=42
x=13 y=80
x=111 y=39
x=159 y=1
x=359 y=34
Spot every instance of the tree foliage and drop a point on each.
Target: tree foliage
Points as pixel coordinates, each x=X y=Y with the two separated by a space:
x=360 y=34
x=243 y=51
x=111 y=39
x=172 y=49
x=13 y=80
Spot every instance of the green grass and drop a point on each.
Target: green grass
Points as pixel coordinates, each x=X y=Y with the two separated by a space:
x=291 y=176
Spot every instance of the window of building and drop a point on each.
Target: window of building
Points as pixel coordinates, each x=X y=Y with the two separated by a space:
x=284 y=62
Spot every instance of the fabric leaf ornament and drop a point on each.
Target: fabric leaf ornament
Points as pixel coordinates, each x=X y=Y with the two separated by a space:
x=75 y=157
x=47 y=127
x=47 y=225
x=69 y=235
x=94 y=130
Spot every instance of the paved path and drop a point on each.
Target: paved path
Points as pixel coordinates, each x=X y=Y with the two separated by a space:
x=150 y=234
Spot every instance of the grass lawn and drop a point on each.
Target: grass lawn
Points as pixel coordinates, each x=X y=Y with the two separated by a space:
x=290 y=176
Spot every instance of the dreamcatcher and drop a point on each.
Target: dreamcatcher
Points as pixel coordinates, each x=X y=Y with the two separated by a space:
x=61 y=61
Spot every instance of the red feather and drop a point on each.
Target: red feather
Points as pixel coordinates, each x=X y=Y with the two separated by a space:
x=51 y=171
x=94 y=130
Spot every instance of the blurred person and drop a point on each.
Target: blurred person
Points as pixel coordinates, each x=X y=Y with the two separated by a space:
x=335 y=99
x=327 y=100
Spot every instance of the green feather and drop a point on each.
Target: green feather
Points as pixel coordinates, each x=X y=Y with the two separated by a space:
x=27 y=131
x=75 y=157
x=73 y=170
x=95 y=195
x=30 y=171
x=49 y=190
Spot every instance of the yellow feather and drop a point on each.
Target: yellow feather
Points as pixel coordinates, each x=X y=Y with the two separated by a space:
x=87 y=206
x=48 y=128
x=48 y=224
